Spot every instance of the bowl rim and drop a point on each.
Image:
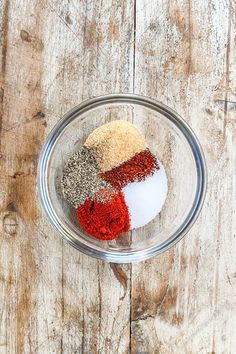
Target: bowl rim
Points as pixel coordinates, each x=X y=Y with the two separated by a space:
x=116 y=256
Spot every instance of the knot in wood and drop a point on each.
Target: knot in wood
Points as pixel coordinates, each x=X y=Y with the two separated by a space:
x=10 y=223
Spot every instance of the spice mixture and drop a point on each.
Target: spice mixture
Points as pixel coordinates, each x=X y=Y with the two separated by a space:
x=80 y=179
x=114 y=181
x=135 y=169
x=105 y=220
x=114 y=143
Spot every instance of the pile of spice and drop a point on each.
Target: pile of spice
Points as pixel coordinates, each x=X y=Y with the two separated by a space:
x=114 y=181
x=81 y=178
x=114 y=143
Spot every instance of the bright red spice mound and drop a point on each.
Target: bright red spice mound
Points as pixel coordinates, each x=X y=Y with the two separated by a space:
x=135 y=169
x=104 y=220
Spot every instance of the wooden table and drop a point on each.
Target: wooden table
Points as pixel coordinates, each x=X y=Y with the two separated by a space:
x=56 y=54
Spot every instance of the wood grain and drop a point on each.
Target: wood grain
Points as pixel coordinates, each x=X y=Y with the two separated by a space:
x=184 y=301
x=54 y=54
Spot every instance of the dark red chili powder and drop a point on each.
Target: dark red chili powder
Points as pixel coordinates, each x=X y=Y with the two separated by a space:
x=135 y=169
x=104 y=220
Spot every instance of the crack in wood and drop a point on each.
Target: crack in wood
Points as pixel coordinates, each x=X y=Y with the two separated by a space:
x=226 y=105
x=120 y=275
x=143 y=318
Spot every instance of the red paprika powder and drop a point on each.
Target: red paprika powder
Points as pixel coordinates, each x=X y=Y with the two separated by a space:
x=135 y=169
x=104 y=220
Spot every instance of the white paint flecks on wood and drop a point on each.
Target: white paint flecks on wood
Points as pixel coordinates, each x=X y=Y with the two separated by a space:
x=55 y=54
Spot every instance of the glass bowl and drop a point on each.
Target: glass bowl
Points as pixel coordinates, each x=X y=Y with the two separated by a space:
x=167 y=135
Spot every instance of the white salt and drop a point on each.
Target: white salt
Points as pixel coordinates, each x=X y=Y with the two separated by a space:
x=145 y=199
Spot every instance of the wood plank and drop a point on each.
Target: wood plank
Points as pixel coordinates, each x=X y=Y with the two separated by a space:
x=100 y=322
x=184 y=300
x=24 y=248
x=55 y=54
x=31 y=293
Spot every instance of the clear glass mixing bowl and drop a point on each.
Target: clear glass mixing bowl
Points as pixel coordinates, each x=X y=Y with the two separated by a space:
x=167 y=135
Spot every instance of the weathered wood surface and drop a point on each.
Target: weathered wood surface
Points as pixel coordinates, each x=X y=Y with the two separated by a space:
x=54 y=54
